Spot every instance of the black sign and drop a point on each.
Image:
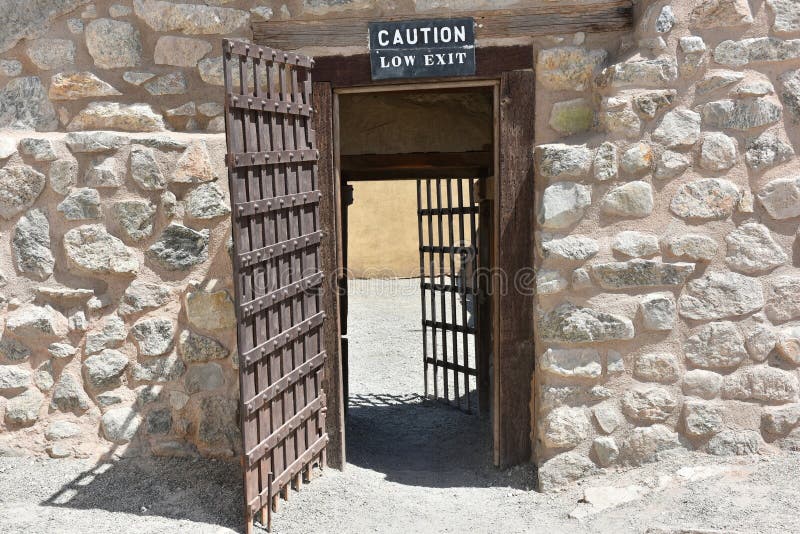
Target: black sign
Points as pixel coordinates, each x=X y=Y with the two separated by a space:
x=422 y=48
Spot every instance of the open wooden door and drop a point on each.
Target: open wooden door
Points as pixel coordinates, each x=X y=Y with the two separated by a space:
x=275 y=198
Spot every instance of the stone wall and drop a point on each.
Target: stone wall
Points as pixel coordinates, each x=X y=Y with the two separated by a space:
x=667 y=235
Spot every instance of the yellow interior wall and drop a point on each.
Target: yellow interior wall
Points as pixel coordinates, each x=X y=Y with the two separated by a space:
x=382 y=233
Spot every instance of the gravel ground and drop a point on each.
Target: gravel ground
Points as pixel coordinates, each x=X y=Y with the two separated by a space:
x=414 y=466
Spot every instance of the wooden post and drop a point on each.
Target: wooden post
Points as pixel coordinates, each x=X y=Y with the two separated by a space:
x=513 y=340
x=322 y=102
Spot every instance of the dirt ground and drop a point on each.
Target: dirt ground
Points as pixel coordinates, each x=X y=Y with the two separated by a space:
x=414 y=466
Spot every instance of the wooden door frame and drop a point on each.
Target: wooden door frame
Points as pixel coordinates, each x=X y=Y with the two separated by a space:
x=512 y=359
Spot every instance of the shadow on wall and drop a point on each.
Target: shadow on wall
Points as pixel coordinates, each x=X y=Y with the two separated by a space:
x=419 y=442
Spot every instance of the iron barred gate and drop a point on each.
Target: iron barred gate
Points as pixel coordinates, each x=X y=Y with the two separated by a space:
x=272 y=173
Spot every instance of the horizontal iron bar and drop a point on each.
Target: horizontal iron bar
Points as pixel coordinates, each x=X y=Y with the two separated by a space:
x=270 y=105
x=452 y=366
x=284 y=431
x=444 y=287
x=273 y=157
x=307 y=198
x=298 y=465
x=279 y=295
x=449 y=211
x=269 y=252
x=439 y=249
x=281 y=340
x=284 y=383
x=447 y=326
x=241 y=48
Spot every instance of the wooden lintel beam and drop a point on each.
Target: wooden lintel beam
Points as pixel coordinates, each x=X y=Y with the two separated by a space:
x=416 y=165
x=613 y=15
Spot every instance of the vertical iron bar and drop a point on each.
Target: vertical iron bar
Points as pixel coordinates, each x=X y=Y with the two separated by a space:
x=433 y=292
x=463 y=288
x=473 y=239
x=422 y=286
x=442 y=295
x=456 y=373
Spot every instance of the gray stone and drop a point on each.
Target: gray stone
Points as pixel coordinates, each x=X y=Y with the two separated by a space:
x=734 y=443
x=571 y=247
x=781 y=197
x=111 y=335
x=788 y=344
x=569 y=68
x=760 y=337
x=31 y=19
x=563 y=204
x=163 y=142
x=695 y=247
x=13 y=378
x=204 y=377
x=91 y=249
x=174 y=83
x=77 y=85
x=786 y=16
x=717 y=79
x=678 y=128
x=8 y=147
x=154 y=336
x=752 y=250
x=135 y=218
x=120 y=424
x=641 y=73
x=61 y=351
x=692 y=44
x=635 y=244
x=206 y=201
x=570 y=323
x=791 y=93
x=95 y=142
x=615 y=364
x=761 y=383
x=717 y=152
x=113 y=43
x=65 y=297
x=754 y=87
x=164 y=369
x=658 y=311
x=707 y=198
x=75 y=26
x=766 y=151
x=665 y=20
x=701 y=383
x=783 y=298
x=20 y=186
x=39 y=323
x=634 y=199
x=43 y=376
x=68 y=395
x=218 y=425
x=31 y=245
x=651 y=103
x=657 y=367
x=159 y=422
x=38 y=149
x=23 y=409
x=189 y=18
x=118 y=10
x=196 y=348
x=716 y=345
x=640 y=273
x=605 y=162
x=78 y=322
x=211 y=109
x=648 y=404
x=178 y=400
x=149 y=395
x=10 y=67
x=721 y=13
x=116 y=116
x=211 y=70
x=143 y=296
x=572 y=363
x=216 y=125
x=108 y=399
x=605 y=450
x=572 y=116
x=24 y=105
x=210 y=311
x=188 y=109
x=617 y=117
x=741 y=114
x=13 y=351
x=145 y=170
x=756 y=50
x=671 y=164
x=179 y=248
x=180 y=51
x=565 y=427
x=637 y=160
x=103 y=371
x=702 y=419
x=58 y=430
x=194 y=165
x=780 y=420
x=105 y=173
x=137 y=78
x=81 y=204
x=560 y=161
x=63 y=175
x=549 y=282
x=607 y=416
x=647 y=444
x=563 y=469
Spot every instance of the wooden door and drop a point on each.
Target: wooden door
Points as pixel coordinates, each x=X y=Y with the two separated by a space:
x=275 y=197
